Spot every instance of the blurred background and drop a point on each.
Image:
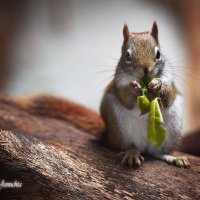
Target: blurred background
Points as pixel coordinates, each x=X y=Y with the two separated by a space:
x=70 y=48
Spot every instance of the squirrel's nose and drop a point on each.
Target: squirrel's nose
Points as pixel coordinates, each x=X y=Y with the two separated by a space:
x=146 y=71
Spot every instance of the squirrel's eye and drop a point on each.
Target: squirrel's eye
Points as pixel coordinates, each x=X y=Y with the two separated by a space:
x=157 y=55
x=128 y=57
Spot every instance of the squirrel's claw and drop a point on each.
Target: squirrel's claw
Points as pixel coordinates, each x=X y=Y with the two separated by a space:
x=135 y=87
x=131 y=158
x=182 y=162
x=155 y=85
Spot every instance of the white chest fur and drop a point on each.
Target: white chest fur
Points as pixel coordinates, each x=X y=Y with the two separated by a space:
x=133 y=127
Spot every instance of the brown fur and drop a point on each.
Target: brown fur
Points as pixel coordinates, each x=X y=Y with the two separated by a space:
x=126 y=32
x=64 y=109
x=168 y=94
x=154 y=31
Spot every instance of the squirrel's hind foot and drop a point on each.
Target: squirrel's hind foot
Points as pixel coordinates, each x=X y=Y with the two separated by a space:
x=181 y=162
x=131 y=158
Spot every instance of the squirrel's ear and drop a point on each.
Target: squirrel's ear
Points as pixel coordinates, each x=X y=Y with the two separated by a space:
x=126 y=31
x=154 y=31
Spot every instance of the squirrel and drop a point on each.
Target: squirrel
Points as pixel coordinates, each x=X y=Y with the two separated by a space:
x=126 y=130
x=120 y=124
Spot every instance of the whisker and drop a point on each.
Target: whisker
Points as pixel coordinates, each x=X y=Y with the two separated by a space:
x=190 y=74
x=175 y=57
x=184 y=69
x=106 y=71
x=110 y=77
x=170 y=60
x=180 y=81
x=113 y=58
x=107 y=66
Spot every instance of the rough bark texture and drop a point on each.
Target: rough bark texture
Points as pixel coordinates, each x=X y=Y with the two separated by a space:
x=56 y=160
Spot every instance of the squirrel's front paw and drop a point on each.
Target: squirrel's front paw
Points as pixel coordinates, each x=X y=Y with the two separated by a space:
x=131 y=158
x=155 y=85
x=135 y=87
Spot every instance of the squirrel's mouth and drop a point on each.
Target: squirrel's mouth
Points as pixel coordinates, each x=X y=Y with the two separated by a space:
x=147 y=77
x=145 y=80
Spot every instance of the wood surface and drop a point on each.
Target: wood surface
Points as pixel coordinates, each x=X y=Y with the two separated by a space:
x=54 y=159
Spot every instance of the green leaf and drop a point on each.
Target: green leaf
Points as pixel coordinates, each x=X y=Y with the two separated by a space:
x=143 y=104
x=156 y=131
x=151 y=121
x=158 y=112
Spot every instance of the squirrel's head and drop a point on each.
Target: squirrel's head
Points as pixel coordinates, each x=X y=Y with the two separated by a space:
x=141 y=53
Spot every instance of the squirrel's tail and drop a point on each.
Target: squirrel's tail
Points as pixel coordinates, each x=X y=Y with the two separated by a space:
x=75 y=114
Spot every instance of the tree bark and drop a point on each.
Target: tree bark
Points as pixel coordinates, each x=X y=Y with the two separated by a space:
x=53 y=159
